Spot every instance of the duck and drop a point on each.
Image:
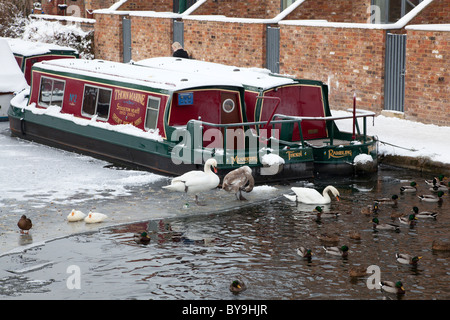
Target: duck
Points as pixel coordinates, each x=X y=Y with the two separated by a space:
x=142 y=237
x=238 y=180
x=196 y=181
x=312 y=196
x=325 y=237
x=411 y=188
x=392 y=287
x=440 y=187
x=305 y=253
x=321 y=214
x=337 y=251
x=370 y=209
x=436 y=181
x=355 y=235
x=410 y=220
x=75 y=215
x=405 y=258
x=424 y=214
x=95 y=217
x=440 y=245
x=432 y=198
x=384 y=226
x=389 y=201
x=357 y=272
x=24 y=224
x=237 y=286
x=395 y=215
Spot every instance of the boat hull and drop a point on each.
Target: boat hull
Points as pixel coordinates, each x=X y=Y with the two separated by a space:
x=121 y=149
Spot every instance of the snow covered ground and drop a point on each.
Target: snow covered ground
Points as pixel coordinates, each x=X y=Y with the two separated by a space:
x=427 y=141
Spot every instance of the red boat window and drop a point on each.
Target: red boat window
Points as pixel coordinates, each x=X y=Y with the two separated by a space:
x=51 y=92
x=151 y=116
x=96 y=101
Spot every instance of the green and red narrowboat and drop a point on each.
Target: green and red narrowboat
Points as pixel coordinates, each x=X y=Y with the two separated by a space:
x=270 y=97
x=28 y=53
x=161 y=120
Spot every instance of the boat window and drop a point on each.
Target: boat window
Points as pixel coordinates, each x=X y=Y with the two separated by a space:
x=51 y=92
x=96 y=101
x=151 y=117
x=228 y=105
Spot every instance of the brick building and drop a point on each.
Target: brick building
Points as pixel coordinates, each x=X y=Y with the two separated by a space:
x=342 y=43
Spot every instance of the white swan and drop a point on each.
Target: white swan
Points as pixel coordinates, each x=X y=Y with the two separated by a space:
x=75 y=215
x=237 y=180
x=312 y=196
x=196 y=181
x=95 y=217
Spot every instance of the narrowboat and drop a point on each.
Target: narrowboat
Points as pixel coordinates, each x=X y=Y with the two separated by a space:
x=28 y=53
x=165 y=121
x=270 y=97
x=11 y=79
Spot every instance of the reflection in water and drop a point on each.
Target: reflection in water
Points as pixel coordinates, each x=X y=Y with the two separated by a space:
x=198 y=256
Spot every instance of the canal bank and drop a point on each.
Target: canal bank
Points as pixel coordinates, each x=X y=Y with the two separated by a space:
x=407 y=144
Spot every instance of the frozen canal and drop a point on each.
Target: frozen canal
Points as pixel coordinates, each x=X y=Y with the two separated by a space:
x=195 y=252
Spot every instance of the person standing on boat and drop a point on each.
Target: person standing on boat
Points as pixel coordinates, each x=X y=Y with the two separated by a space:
x=178 y=51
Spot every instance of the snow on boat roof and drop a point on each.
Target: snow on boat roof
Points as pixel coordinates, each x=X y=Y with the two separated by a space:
x=256 y=77
x=31 y=48
x=11 y=77
x=133 y=74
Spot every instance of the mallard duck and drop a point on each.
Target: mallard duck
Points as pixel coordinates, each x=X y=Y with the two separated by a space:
x=142 y=238
x=432 y=198
x=370 y=209
x=355 y=235
x=95 y=217
x=436 y=181
x=405 y=258
x=410 y=220
x=312 y=196
x=357 y=272
x=24 y=224
x=305 y=253
x=395 y=215
x=237 y=286
x=75 y=215
x=440 y=245
x=411 y=188
x=321 y=214
x=328 y=238
x=392 y=287
x=196 y=181
x=389 y=201
x=384 y=226
x=424 y=214
x=337 y=251
x=239 y=180
x=440 y=187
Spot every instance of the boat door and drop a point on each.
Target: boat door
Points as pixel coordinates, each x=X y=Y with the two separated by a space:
x=231 y=113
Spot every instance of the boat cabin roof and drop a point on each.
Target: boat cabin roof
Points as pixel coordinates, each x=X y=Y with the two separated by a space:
x=254 y=77
x=31 y=48
x=170 y=80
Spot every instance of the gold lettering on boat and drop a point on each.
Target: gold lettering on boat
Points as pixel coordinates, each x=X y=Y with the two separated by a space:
x=243 y=160
x=339 y=153
x=130 y=95
x=294 y=154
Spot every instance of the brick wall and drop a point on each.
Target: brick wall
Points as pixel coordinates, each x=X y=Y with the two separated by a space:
x=427 y=79
x=332 y=10
x=148 y=5
x=108 y=37
x=347 y=59
x=241 y=9
x=151 y=37
x=240 y=44
x=436 y=12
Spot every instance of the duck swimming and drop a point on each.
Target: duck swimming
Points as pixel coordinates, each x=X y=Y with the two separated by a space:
x=142 y=238
x=389 y=201
x=411 y=188
x=24 y=224
x=305 y=253
x=312 y=196
x=405 y=258
x=238 y=180
x=370 y=209
x=237 y=286
x=392 y=287
x=410 y=220
x=424 y=214
x=196 y=181
x=321 y=214
x=384 y=226
x=432 y=198
x=337 y=251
